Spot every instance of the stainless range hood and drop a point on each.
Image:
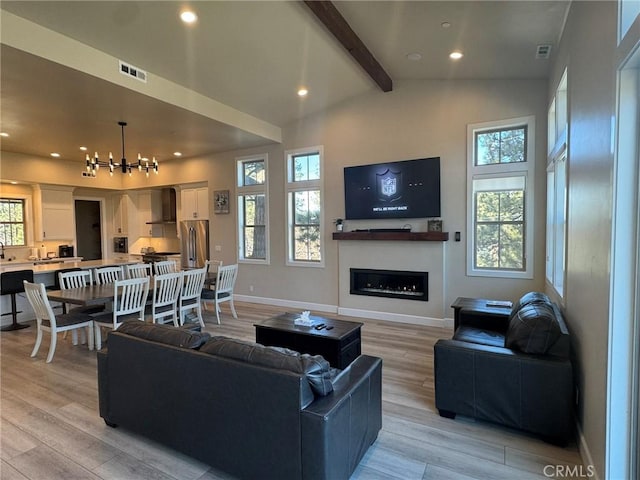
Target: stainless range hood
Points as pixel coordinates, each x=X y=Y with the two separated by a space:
x=168 y=197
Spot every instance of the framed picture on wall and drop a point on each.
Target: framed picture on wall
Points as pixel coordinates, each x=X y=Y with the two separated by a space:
x=221 y=201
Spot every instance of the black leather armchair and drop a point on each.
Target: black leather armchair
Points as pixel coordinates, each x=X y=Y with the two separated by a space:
x=514 y=371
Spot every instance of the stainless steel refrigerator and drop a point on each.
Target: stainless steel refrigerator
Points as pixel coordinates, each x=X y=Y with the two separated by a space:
x=194 y=240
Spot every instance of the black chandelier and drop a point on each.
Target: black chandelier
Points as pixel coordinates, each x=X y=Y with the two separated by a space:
x=94 y=164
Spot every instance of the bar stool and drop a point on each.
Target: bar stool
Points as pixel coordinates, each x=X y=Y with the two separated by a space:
x=11 y=284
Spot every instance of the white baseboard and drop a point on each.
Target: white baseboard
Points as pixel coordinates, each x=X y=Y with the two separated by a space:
x=394 y=317
x=350 y=312
x=585 y=453
x=278 y=302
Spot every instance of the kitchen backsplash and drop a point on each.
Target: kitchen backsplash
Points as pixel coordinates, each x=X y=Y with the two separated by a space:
x=159 y=244
x=23 y=253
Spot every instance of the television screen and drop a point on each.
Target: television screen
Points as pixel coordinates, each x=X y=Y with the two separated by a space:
x=406 y=189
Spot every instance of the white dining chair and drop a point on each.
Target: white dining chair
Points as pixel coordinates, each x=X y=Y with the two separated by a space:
x=106 y=275
x=192 y=284
x=166 y=293
x=47 y=321
x=166 y=266
x=138 y=270
x=129 y=299
x=77 y=279
x=223 y=292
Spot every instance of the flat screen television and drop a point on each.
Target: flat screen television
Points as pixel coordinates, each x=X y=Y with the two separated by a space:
x=405 y=189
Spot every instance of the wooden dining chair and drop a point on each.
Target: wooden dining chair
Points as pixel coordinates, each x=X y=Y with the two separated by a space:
x=223 y=292
x=129 y=298
x=192 y=284
x=106 y=275
x=166 y=266
x=166 y=294
x=138 y=270
x=47 y=321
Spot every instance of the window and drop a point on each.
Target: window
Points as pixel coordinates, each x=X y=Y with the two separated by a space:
x=12 y=222
x=304 y=207
x=253 y=210
x=557 y=189
x=500 y=198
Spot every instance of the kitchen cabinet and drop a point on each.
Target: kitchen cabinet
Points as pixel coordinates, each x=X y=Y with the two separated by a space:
x=121 y=209
x=195 y=203
x=54 y=213
x=146 y=202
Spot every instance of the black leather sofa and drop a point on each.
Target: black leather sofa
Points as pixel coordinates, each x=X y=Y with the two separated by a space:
x=248 y=410
x=514 y=371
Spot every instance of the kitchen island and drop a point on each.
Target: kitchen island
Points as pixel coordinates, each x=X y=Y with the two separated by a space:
x=46 y=274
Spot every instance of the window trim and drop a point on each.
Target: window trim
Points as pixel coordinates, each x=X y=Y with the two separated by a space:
x=28 y=220
x=243 y=190
x=292 y=186
x=525 y=169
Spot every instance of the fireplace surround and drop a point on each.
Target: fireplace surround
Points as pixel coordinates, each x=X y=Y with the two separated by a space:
x=406 y=285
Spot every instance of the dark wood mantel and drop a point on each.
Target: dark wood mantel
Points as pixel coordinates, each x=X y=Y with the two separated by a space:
x=393 y=236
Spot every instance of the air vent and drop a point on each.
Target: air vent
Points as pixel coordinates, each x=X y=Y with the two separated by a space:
x=543 y=51
x=131 y=71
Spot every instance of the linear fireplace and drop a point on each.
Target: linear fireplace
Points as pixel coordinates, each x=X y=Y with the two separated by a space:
x=390 y=283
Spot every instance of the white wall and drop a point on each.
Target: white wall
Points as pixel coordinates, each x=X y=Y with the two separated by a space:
x=417 y=119
x=587 y=50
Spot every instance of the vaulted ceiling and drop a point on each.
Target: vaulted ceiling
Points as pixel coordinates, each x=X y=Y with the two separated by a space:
x=229 y=80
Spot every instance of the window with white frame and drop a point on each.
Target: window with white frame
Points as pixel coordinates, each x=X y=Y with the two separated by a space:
x=304 y=207
x=557 y=188
x=13 y=222
x=500 y=186
x=253 y=209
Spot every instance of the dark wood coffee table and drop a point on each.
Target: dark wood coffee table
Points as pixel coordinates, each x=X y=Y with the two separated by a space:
x=339 y=345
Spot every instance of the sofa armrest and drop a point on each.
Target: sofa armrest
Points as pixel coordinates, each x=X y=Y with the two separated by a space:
x=496 y=322
x=338 y=429
x=531 y=392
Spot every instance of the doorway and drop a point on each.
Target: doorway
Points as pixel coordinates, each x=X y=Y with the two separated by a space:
x=88 y=229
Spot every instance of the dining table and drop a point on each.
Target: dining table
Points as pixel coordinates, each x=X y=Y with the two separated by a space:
x=88 y=295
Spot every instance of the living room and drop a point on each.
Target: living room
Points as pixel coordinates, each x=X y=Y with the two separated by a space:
x=426 y=118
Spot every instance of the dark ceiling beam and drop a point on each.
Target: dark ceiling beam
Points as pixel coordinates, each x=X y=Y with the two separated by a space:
x=329 y=15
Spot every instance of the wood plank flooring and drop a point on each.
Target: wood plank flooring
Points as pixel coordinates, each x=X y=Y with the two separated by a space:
x=50 y=427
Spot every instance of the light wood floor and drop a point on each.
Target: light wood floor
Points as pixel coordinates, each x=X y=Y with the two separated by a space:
x=50 y=427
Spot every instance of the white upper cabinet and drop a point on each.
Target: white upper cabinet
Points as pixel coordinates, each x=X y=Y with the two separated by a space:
x=195 y=203
x=121 y=209
x=54 y=217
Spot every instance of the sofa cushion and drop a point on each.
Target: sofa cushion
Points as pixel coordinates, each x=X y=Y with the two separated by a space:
x=166 y=334
x=533 y=329
x=479 y=335
x=314 y=367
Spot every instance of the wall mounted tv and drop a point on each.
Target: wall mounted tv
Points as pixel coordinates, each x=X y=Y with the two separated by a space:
x=405 y=189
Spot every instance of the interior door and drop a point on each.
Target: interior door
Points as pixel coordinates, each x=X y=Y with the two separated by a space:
x=88 y=229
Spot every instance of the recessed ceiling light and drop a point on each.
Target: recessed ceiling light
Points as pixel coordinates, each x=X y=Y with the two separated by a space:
x=4 y=134
x=188 y=16
x=457 y=55
x=445 y=24
x=177 y=154
x=303 y=92
x=55 y=154
x=84 y=149
x=414 y=57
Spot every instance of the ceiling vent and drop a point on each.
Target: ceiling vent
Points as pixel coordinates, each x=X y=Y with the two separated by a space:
x=543 y=51
x=131 y=71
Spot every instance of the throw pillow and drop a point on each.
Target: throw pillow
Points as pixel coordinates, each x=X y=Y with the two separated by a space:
x=314 y=367
x=166 y=334
x=533 y=329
